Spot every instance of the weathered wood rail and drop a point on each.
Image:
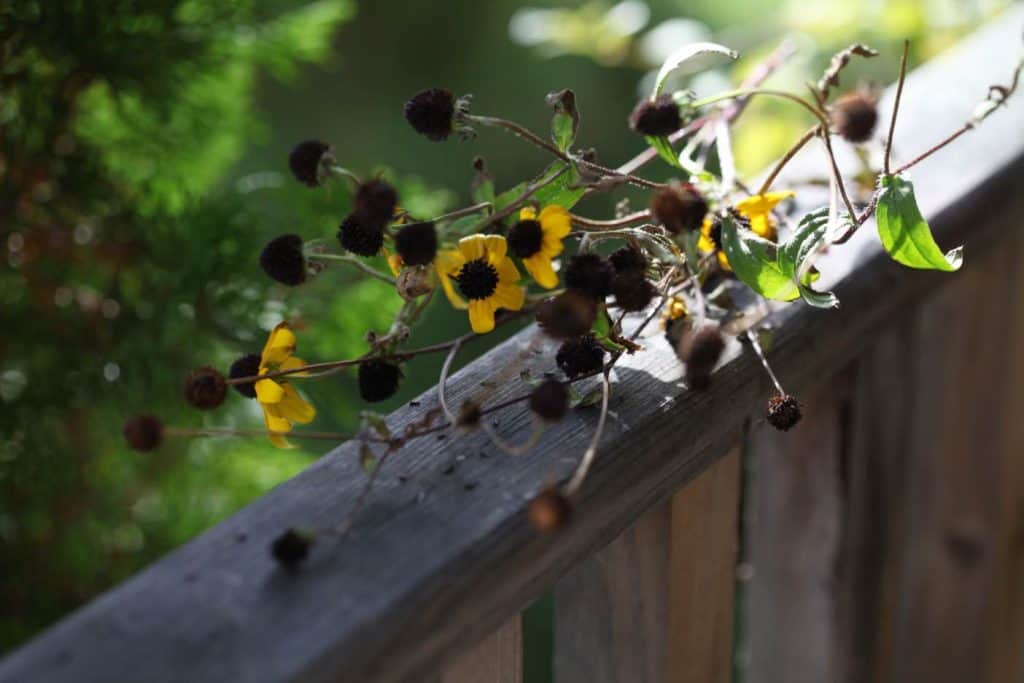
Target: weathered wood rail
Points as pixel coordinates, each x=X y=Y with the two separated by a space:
x=882 y=539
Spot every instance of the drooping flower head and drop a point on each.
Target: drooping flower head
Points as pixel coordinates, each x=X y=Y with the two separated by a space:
x=310 y=162
x=680 y=207
x=658 y=117
x=359 y=237
x=431 y=113
x=416 y=243
x=484 y=274
x=378 y=379
x=375 y=202
x=580 y=356
x=537 y=239
x=855 y=115
x=590 y=274
x=282 y=405
x=282 y=259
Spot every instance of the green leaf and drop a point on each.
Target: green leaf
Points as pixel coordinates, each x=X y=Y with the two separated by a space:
x=566 y=120
x=818 y=299
x=808 y=237
x=685 y=54
x=905 y=233
x=754 y=261
x=562 y=190
x=602 y=323
x=664 y=149
x=509 y=196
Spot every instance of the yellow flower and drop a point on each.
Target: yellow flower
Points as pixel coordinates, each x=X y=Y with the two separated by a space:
x=485 y=275
x=709 y=242
x=538 y=239
x=281 y=403
x=758 y=210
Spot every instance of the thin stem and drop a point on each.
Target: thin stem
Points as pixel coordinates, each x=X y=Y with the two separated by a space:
x=837 y=176
x=467 y=211
x=750 y=92
x=618 y=222
x=933 y=149
x=223 y=431
x=338 y=170
x=345 y=258
x=896 y=105
x=756 y=345
x=443 y=380
x=588 y=456
x=797 y=146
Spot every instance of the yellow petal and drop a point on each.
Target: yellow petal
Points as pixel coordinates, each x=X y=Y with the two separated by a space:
x=449 y=262
x=269 y=391
x=507 y=271
x=723 y=261
x=763 y=226
x=275 y=421
x=280 y=441
x=551 y=246
x=539 y=267
x=527 y=213
x=293 y=362
x=394 y=262
x=555 y=220
x=705 y=244
x=280 y=345
x=509 y=297
x=481 y=315
x=295 y=408
x=496 y=247
x=473 y=247
x=761 y=203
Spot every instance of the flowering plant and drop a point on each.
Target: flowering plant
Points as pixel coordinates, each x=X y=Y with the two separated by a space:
x=701 y=239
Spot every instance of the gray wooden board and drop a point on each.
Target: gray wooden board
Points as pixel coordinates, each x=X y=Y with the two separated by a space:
x=434 y=565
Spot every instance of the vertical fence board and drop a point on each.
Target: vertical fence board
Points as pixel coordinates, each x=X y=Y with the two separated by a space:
x=705 y=525
x=498 y=659
x=935 y=546
x=793 y=533
x=656 y=604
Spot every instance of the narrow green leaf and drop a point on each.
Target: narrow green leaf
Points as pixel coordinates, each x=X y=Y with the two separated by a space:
x=905 y=233
x=685 y=54
x=664 y=149
x=818 y=299
x=509 y=196
x=753 y=260
x=562 y=190
x=566 y=120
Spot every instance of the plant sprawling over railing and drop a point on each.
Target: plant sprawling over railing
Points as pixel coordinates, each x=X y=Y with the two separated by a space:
x=703 y=246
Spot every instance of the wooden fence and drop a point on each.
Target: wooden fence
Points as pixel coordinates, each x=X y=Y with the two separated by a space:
x=881 y=540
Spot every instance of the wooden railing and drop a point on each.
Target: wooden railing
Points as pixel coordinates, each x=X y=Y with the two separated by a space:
x=881 y=540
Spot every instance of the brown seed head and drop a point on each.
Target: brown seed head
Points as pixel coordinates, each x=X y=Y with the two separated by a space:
x=205 y=388
x=680 y=207
x=143 y=432
x=549 y=511
x=783 y=412
x=700 y=352
x=855 y=115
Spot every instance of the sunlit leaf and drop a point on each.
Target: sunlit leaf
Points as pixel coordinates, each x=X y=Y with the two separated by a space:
x=754 y=261
x=905 y=233
x=685 y=54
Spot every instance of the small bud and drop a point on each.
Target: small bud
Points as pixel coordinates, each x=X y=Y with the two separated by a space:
x=550 y=400
x=589 y=274
x=291 y=548
x=658 y=117
x=549 y=511
x=378 y=380
x=359 y=237
x=375 y=202
x=679 y=207
x=416 y=243
x=245 y=366
x=432 y=113
x=311 y=162
x=783 y=412
x=205 y=388
x=628 y=259
x=469 y=415
x=580 y=356
x=700 y=352
x=570 y=314
x=414 y=282
x=143 y=433
x=282 y=259
x=855 y=115
x=632 y=291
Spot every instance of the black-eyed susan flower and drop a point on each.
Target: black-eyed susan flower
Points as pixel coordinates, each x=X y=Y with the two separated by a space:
x=484 y=274
x=758 y=210
x=537 y=238
x=711 y=241
x=245 y=366
x=282 y=405
x=658 y=117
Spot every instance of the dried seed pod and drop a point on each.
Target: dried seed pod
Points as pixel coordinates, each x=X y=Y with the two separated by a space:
x=310 y=162
x=431 y=113
x=632 y=291
x=783 y=412
x=205 y=388
x=550 y=400
x=570 y=314
x=700 y=352
x=680 y=207
x=282 y=259
x=855 y=115
x=658 y=117
x=589 y=274
x=245 y=366
x=143 y=433
x=549 y=511
x=416 y=243
x=414 y=282
x=291 y=548
x=580 y=356
x=375 y=201
x=378 y=380
x=359 y=237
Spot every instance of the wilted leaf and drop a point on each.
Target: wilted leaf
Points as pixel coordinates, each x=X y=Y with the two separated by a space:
x=685 y=54
x=566 y=120
x=830 y=78
x=905 y=233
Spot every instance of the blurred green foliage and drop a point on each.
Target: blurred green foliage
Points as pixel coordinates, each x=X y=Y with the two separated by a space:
x=142 y=151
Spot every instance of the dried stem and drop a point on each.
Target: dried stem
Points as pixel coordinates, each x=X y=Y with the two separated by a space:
x=896 y=105
x=588 y=456
x=787 y=157
x=756 y=345
x=346 y=258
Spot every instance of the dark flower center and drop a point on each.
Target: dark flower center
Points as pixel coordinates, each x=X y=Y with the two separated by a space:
x=525 y=238
x=478 y=279
x=715 y=234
